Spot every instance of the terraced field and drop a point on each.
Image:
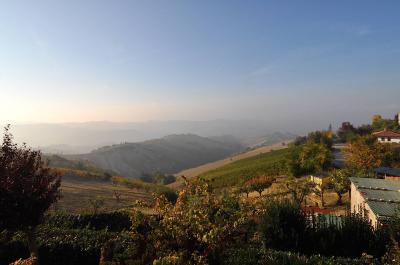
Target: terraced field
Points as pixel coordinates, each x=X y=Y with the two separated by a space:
x=77 y=196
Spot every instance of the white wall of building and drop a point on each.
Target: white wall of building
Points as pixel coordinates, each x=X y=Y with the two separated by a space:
x=398 y=118
x=385 y=140
x=358 y=205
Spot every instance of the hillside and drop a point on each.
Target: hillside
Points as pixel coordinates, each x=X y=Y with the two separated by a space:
x=79 y=170
x=169 y=154
x=202 y=169
x=241 y=170
x=56 y=161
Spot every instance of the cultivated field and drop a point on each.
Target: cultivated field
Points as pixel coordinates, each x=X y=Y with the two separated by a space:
x=78 y=195
x=266 y=164
x=197 y=171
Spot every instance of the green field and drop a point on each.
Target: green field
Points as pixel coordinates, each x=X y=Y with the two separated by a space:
x=267 y=164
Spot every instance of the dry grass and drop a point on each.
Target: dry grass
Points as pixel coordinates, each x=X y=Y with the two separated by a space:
x=76 y=196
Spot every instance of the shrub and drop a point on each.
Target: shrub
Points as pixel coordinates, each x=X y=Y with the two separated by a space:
x=170 y=194
x=66 y=246
x=113 y=222
x=257 y=256
x=191 y=231
x=286 y=227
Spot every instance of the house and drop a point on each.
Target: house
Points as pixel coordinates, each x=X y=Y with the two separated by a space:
x=387 y=173
x=321 y=180
x=387 y=136
x=377 y=199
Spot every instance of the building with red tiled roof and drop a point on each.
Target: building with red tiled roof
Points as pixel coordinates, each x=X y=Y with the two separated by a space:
x=387 y=136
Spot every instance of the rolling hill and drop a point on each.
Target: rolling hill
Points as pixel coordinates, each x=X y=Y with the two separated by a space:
x=169 y=154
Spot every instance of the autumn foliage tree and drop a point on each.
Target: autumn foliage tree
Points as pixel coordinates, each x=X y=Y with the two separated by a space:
x=365 y=154
x=379 y=123
x=259 y=184
x=299 y=188
x=27 y=189
x=340 y=182
x=309 y=158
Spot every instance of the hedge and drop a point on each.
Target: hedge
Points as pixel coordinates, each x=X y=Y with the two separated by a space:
x=65 y=247
x=258 y=256
x=113 y=222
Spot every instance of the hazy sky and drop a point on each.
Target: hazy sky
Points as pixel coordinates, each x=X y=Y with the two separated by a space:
x=322 y=61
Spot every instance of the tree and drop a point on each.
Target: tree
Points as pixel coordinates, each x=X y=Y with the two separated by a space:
x=321 y=137
x=379 y=124
x=320 y=191
x=365 y=154
x=168 y=179
x=340 y=183
x=245 y=189
x=308 y=158
x=27 y=189
x=117 y=196
x=346 y=132
x=315 y=157
x=293 y=161
x=260 y=184
x=96 y=205
x=363 y=130
x=376 y=118
x=299 y=188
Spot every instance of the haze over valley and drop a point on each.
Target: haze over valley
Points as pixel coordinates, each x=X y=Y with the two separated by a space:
x=74 y=138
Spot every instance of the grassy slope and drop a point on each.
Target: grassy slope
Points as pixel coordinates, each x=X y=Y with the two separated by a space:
x=168 y=155
x=270 y=163
x=196 y=171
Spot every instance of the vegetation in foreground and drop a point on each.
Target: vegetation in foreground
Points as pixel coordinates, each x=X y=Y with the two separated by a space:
x=205 y=228
x=27 y=190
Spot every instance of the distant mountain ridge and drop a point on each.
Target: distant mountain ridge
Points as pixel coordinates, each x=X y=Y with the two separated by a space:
x=269 y=139
x=169 y=154
x=80 y=138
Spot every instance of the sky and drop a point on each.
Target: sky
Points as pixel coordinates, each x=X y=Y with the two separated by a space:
x=278 y=61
